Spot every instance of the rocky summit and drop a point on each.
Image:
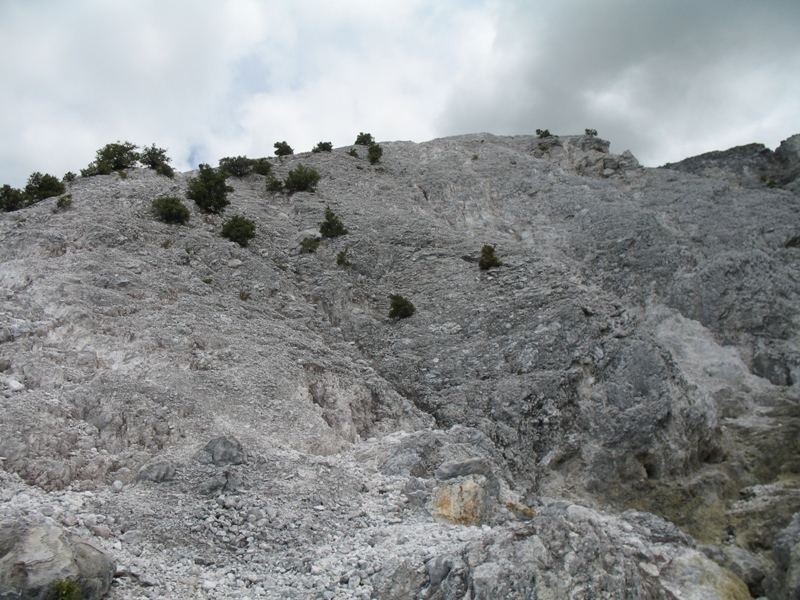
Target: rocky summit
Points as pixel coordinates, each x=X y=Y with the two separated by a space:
x=612 y=411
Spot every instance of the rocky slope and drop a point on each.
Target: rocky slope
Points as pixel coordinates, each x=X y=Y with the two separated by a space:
x=248 y=422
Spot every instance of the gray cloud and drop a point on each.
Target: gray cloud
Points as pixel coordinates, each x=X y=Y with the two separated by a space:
x=666 y=80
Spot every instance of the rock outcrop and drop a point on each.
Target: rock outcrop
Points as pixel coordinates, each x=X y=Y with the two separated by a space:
x=616 y=404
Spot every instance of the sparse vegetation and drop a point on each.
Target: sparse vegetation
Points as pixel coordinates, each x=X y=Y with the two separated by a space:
x=543 y=147
x=283 y=149
x=262 y=166
x=209 y=190
x=69 y=177
x=237 y=166
x=274 y=184
x=171 y=210
x=332 y=226
x=64 y=590
x=64 y=202
x=591 y=132
x=598 y=149
x=166 y=244
x=157 y=159
x=364 y=139
x=488 y=258
x=323 y=147
x=239 y=229
x=543 y=133
x=112 y=157
x=244 y=295
x=207 y=280
x=309 y=244
x=341 y=258
x=474 y=157
x=374 y=153
x=401 y=307
x=301 y=179
x=353 y=152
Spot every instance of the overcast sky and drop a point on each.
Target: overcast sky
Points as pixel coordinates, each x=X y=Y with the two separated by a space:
x=206 y=79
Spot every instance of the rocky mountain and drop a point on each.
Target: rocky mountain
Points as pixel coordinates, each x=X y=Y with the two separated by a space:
x=611 y=413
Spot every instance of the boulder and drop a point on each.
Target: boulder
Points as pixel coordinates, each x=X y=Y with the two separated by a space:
x=34 y=557
x=222 y=451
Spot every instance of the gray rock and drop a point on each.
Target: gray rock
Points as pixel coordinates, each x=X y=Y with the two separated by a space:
x=784 y=581
x=221 y=451
x=33 y=557
x=157 y=472
x=741 y=563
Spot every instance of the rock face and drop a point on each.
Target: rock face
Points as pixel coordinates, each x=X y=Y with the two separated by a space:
x=231 y=421
x=33 y=557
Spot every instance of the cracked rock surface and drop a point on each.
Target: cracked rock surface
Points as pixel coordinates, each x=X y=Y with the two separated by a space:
x=612 y=413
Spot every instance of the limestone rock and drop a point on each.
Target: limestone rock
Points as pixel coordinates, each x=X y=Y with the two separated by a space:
x=462 y=501
x=33 y=557
x=221 y=451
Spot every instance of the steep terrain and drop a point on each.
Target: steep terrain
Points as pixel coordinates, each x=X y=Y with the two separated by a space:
x=229 y=421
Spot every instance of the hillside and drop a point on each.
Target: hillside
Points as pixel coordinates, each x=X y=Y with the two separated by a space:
x=613 y=412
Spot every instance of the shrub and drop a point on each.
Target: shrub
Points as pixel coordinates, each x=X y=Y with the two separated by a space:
x=112 y=157
x=301 y=179
x=244 y=295
x=591 y=132
x=157 y=159
x=64 y=590
x=474 y=157
x=41 y=186
x=332 y=226
x=401 y=308
x=209 y=190
x=341 y=258
x=488 y=259
x=323 y=147
x=171 y=210
x=274 y=184
x=353 y=152
x=374 y=152
x=283 y=149
x=262 y=166
x=11 y=198
x=309 y=244
x=543 y=133
x=364 y=139
x=238 y=166
x=239 y=229
x=69 y=177
x=64 y=202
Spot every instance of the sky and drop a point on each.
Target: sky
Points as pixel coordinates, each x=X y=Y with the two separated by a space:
x=207 y=79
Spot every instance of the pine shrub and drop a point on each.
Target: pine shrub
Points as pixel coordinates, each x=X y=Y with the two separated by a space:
x=309 y=244
x=274 y=184
x=112 y=157
x=374 y=153
x=64 y=202
x=157 y=159
x=488 y=259
x=262 y=166
x=543 y=133
x=353 y=152
x=239 y=229
x=364 y=139
x=591 y=132
x=11 y=199
x=332 y=226
x=341 y=258
x=283 y=149
x=41 y=186
x=209 y=190
x=237 y=166
x=301 y=179
x=69 y=177
x=401 y=307
x=170 y=210
x=323 y=147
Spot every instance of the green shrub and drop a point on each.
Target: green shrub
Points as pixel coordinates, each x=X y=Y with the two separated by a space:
x=341 y=258
x=323 y=147
x=64 y=202
x=353 y=152
x=170 y=209
x=157 y=159
x=64 y=590
x=112 y=157
x=301 y=179
x=488 y=259
x=474 y=157
x=332 y=226
x=283 y=149
x=239 y=229
x=237 y=166
x=69 y=177
x=374 y=152
x=209 y=190
x=591 y=132
x=364 y=139
x=244 y=295
x=543 y=133
x=262 y=166
x=11 y=198
x=274 y=184
x=309 y=244
x=401 y=308
x=41 y=186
